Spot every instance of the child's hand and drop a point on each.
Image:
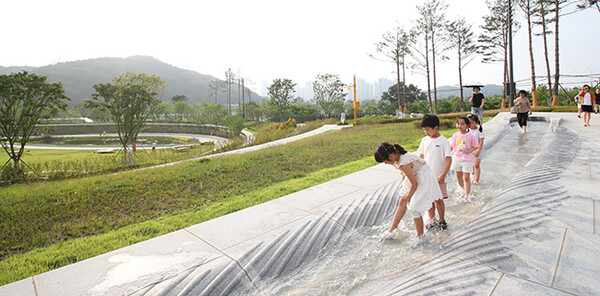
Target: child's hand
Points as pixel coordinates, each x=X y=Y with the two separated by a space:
x=441 y=179
x=477 y=153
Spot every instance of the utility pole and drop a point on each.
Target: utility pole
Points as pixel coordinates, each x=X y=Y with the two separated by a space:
x=243 y=100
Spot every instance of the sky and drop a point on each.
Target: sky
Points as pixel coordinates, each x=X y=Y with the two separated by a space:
x=262 y=40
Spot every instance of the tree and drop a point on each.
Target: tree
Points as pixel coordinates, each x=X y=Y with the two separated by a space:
x=131 y=98
x=433 y=23
x=461 y=38
x=179 y=98
x=395 y=47
x=542 y=11
x=528 y=8
x=25 y=100
x=281 y=94
x=215 y=86
x=588 y=4
x=413 y=93
x=329 y=94
x=494 y=39
x=210 y=113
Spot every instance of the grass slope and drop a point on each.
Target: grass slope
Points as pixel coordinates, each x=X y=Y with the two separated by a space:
x=47 y=225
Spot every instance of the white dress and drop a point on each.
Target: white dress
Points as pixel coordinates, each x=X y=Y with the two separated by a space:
x=428 y=189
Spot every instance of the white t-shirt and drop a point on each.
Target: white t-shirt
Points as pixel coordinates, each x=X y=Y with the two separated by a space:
x=587 y=99
x=435 y=152
x=478 y=135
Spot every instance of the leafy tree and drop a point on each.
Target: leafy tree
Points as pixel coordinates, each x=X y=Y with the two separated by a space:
x=329 y=94
x=395 y=47
x=461 y=38
x=179 y=98
x=253 y=110
x=130 y=99
x=413 y=93
x=235 y=124
x=588 y=4
x=281 y=94
x=182 y=109
x=303 y=112
x=210 y=113
x=25 y=100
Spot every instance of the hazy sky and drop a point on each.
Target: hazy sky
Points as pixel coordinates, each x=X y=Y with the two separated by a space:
x=263 y=40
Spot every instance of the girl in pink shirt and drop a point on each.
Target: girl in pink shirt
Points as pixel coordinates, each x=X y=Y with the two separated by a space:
x=463 y=144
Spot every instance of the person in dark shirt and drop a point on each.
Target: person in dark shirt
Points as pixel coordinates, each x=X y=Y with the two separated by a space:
x=477 y=101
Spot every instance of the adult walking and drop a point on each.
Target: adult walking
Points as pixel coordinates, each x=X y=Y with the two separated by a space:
x=523 y=107
x=588 y=100
x=477 y=101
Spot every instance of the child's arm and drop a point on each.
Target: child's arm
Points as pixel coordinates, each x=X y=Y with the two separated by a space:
x=407 y=169
x=442 y=178
x=479 y=147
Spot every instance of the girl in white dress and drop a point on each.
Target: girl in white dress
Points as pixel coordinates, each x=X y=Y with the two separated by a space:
x=419 y=185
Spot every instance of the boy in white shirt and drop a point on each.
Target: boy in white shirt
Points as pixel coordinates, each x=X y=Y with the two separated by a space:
x=436 y=151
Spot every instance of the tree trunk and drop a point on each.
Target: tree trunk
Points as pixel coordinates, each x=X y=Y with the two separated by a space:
x=427 y=72
x=533 y=85
x=398 y=83
x=404 y=84
x=460 y=84
x=434 y=76
x=556 y=64
x=544 y=33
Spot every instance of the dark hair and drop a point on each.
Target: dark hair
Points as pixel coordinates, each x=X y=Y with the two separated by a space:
x=467 y=121
x=586 y=85
x=476 y=87
x=430 y=120
x=384 y=150
x=474 y=117
x=523 y=92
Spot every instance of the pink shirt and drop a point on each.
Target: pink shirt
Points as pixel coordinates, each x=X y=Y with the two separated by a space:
x=460 y=142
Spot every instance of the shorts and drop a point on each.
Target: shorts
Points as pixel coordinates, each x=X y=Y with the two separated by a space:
x=480 y=154
x=459 y=165
x=444 y=191
x=587 y=108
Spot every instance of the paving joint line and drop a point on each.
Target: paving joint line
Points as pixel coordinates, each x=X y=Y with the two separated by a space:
x=232 y=259
x=497 y=283
x=562 y=245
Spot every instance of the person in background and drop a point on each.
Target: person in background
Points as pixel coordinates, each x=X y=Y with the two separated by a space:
x=477 y=101
x=524 y=107
x=588 y=101
x=597 y=99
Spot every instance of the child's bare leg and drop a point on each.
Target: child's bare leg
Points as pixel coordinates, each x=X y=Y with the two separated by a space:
x=459 y=179
x=441 y=208
x=400 y=211
x=419 y=225
x=431 y=212
x=467 y=182
x=476 y=170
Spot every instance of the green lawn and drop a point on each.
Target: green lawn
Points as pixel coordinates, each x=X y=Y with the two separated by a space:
x=47 y=225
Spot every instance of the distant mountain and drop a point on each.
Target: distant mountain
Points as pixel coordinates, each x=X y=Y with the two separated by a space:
x=79 y=77
x=488 y=90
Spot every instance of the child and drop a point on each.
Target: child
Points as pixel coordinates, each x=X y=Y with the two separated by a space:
x=588 y=100
x=478 y=133
x=419 y=188
x=435 y=149
x=463 y=144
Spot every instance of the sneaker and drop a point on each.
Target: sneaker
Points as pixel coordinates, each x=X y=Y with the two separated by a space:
x=579 y=115
x=442 y=225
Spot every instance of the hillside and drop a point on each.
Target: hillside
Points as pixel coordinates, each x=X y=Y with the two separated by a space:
x=79 y=77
